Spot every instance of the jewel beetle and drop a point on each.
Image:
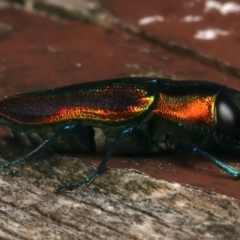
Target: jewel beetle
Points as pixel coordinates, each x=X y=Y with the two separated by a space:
x=126 y=115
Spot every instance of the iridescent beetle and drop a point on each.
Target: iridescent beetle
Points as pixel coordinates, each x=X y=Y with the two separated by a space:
x=128 y=115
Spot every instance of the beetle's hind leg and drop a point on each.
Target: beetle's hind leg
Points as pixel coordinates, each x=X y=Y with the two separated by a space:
x=35 y=153
x=101 y=168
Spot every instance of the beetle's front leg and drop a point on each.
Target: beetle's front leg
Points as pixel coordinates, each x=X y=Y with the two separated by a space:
x=225 y=167
x=193 y=149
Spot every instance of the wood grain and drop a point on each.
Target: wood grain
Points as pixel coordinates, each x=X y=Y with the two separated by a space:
x=120 y=204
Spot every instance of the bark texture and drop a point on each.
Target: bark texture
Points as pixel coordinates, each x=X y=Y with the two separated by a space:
x=120 y=204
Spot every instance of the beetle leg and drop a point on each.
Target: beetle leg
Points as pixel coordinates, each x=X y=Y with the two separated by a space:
x=102 y=167
x=231 y=171
x=40 y=149
x=225 y=167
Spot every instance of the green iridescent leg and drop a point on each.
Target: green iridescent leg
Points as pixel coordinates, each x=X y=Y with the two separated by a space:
x=225 y=167
x=101 y=167
x=35 y=153
x=230 y=170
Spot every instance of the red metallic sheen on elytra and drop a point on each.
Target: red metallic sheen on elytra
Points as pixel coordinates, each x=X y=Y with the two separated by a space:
x=105 y=115
x=105 y=101
x=117 y=101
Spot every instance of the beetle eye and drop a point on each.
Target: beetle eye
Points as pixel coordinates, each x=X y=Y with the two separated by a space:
x=228 y=114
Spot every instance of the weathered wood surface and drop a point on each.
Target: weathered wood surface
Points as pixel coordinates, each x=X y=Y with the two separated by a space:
x=121 y=204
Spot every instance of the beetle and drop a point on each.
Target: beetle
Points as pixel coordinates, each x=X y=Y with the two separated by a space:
x=126 y=115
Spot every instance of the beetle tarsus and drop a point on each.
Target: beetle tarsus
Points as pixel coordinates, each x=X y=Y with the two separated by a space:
x=80 y=184
x=225 y=167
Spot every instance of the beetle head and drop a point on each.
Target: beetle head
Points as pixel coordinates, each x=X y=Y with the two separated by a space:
x=228 y=115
